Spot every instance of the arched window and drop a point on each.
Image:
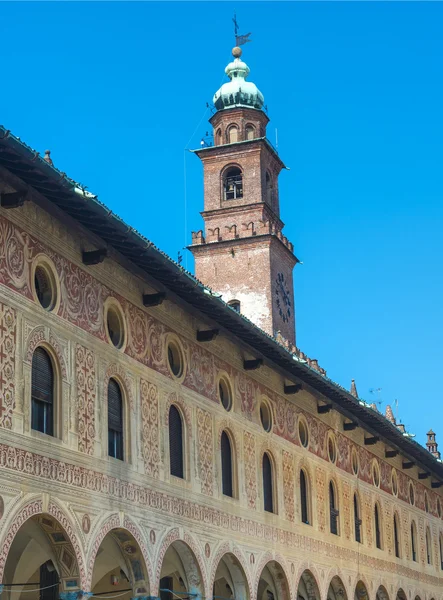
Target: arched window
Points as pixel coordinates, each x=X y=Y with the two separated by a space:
x=268 y=499
x=441 y=551
x=218 y=137
x=226 y=465
x=235 y=304
x=377 y=526
x=428 y=546
x=333 y=509
x=357 y=519
x=42 y=392
x=115 y=420
x=233 y=184
x=414 y=541
x=232 y=134
x=304 y=502
x=250 y=132
x=176 y=442
x=396 y=536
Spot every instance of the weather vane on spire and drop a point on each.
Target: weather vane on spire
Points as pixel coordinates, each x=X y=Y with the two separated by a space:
x=240 y=39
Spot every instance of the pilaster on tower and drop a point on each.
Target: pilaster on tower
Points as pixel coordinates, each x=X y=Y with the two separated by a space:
x=243 y=253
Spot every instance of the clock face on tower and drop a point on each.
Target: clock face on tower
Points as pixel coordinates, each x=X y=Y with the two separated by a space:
x=282 y=298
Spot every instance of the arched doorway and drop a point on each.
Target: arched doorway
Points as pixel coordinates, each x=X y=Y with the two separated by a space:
x=41 y=563
x=361 y=593
x=401 y=595
x=273 y=584
x=336 y=590
x=382 y=594
x=230 y=580
x=119 y=566
x=180 y=574
x=308 y=587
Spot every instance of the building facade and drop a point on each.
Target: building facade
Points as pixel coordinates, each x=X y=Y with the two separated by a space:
x=163 y=437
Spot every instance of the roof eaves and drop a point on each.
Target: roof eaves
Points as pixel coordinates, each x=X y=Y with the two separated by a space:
x=196 y=293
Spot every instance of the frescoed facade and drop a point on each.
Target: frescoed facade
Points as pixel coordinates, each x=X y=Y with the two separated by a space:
x=161 y=435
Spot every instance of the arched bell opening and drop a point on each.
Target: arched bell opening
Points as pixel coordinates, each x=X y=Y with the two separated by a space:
x=361 y=593
x=230 y=580
x=308 y=587
x=119 y=567
x=336 y=590
x=41 y=563
x=382 y=594
x=273 y=584
x=180 y=575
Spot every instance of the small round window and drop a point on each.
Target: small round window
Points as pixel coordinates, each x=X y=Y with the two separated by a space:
x=332 y=449
x=175 y=359
x=224 y=393
x=394 y=482
x=376 y=474
x=354 y=459
x=265 y=416
x=115 y=326
x=45 y=286
x=303 y=433
x=411 y=494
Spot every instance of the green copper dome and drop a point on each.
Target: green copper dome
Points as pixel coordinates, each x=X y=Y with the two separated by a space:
x=238 y=91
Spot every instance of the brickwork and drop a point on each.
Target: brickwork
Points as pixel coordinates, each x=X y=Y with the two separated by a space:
x=242 y=253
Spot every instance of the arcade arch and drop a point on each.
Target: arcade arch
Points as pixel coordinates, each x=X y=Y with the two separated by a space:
x=361 y=592
x=230 y=580
x=336 y=590
x=41 y=555
x=382 y=593
x=308 y=587
x=272 y=583
x=180 y=573
x=119 y=565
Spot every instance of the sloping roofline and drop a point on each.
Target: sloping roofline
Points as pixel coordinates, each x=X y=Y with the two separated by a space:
x=27 y=164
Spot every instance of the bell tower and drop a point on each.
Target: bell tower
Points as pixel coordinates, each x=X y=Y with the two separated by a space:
x=242 y=253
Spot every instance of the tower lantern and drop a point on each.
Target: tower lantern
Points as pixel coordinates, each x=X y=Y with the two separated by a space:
x=242 y=253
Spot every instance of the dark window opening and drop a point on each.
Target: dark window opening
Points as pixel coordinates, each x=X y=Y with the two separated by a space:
x=176 y=443
x=304 y=498
x=166 y=583
x=267 y=484
x=333 y=512
x=233 y=184
x=428 y=546
x=396 y=538
x=377 y=527
x=49 y=590
x=413 y=544
x=357 y=520
x=226 y=463
x=42 y=392
x=115 y=420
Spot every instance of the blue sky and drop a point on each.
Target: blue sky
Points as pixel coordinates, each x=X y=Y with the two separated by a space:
x=355 y=89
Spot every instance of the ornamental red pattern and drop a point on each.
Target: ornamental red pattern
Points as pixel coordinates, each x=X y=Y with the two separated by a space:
x=288 y=484
x=150 y=427
x=7 y=364
x=82 y=304
x=205 y=451
x=86 y=396
x=250 y=466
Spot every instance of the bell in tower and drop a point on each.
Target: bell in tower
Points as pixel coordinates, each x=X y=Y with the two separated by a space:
x=242 y=253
